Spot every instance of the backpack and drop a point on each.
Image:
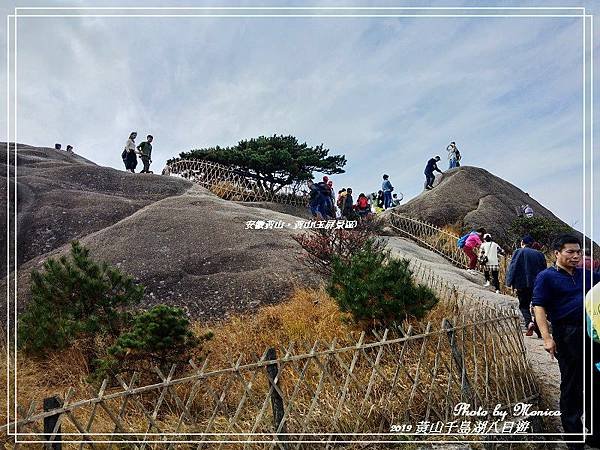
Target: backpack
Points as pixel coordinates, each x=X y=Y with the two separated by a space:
x=457 y=153
x=463 y=239
x=124 y=155
x=363 y=202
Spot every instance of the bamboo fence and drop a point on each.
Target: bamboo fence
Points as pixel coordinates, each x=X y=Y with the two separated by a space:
x=364 y=384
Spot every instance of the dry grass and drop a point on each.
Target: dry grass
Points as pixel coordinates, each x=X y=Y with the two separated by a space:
x=308 y=316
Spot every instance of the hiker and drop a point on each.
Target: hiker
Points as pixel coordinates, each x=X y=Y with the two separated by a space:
x=380 y=200
x=348 y=210
x=324 y=198
x=128 y=155
x=145 y=150
x=70 y=148
x=527 y=211
x=332 y=199
x=429 y=169
x=470 y=243
x=387 y=189
x=588 y=263
x=363 y=207
x=488 y=257
x=524 y=266
x=558 y=296
x=340 y=202
x=313 y=195
x=453 y=155
x=57 y=146
x=395 y=200
x=592 y=306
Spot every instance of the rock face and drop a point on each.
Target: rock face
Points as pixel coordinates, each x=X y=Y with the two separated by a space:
x=187 y=246
x=62 y=196
x=471 y=197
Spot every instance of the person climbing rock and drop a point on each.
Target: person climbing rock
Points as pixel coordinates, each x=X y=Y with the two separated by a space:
x=429 y=169
x=489 y=257
x=472 y=242
x=145 y=149
x=524 y=266
x=128 y=155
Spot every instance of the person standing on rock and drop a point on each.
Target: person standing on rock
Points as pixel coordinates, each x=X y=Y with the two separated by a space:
x=387 y=189
x=489 y=254
x=348 y=210
x=558 y=296
x=524 y=266
x=472 y=243
x=325 y=201
x=128 y=155
x=145 y=149
x=453 y=155
x=429 y=176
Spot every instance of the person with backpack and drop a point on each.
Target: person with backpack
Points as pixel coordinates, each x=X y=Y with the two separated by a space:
x=453 y=155
x=524 y=266
x=145 y=149
x=489 y=258
x=468 y=243
x=363 y=207
x=387 y=189
x=128 y=155
x=429 y=169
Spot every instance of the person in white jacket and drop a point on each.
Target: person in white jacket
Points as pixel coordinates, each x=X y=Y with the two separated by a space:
x=489 y=256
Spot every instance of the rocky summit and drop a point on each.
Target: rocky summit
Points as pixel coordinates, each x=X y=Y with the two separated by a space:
x=187 y=246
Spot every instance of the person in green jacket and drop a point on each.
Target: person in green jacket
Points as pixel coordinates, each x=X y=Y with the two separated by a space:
x=145 y=150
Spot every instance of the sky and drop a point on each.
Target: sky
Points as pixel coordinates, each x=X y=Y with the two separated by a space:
x=388 y=93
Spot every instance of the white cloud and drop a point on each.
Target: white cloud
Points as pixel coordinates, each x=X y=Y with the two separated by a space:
x=389 y=93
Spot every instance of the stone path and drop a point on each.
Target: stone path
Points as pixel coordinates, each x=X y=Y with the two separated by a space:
x=544 y=368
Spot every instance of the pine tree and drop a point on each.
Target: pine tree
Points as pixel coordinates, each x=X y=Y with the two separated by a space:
x=377 y=288
x=72 y=296
x=160 y=336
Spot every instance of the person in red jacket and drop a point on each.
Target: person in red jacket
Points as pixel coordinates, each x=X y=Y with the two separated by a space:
x=472 y=243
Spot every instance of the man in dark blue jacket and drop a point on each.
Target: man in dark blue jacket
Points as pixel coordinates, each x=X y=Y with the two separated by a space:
x=429 y=169
x=558 y=296
x=524 y=266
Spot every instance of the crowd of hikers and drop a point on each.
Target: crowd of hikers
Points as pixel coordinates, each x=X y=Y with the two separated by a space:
x=325 y=205
x=131 y=152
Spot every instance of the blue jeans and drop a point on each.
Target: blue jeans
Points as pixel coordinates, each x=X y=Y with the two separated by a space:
x=453 y=163
x=387 y=199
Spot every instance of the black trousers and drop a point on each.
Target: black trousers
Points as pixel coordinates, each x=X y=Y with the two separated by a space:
x=146 y=161
x=495 y=280
x=430 y=177
x=573 y=358
x=524 y=295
